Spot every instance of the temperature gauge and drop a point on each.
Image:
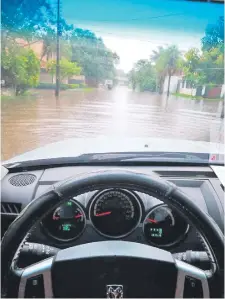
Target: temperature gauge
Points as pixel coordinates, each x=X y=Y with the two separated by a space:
x=66 y=223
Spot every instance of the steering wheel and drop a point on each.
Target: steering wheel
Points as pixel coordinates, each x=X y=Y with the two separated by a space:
x=112 y=269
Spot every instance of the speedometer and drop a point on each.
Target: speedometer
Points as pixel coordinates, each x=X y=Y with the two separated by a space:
x=163 y=227
x=115 y=213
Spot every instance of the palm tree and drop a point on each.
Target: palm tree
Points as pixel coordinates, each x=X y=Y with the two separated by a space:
x=167 y=63
x=160 y=75
x=49 y=47
x=173 y=56
x=156 y=53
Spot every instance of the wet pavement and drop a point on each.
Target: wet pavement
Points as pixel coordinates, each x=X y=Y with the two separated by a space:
x=41 y=119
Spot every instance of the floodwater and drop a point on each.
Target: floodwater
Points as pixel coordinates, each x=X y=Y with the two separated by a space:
x=38 y=120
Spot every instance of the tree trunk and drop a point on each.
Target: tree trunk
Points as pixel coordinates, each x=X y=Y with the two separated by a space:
x=222 y=112
x=168 y=88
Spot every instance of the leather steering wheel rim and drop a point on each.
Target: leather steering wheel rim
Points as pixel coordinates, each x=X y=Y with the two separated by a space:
x=212 y=236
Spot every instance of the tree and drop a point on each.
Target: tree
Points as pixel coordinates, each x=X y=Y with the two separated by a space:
x=49 y=48
x=168 y=63
x=143 y=75
x=20 y=68
x=204 y=68
x=191 y=65
x=160 y=75
x=67 y=68
x=98 y=62
x=132 y=79
x=25 y=18
x=156 y=54
x=214 y=35
x=212 y=65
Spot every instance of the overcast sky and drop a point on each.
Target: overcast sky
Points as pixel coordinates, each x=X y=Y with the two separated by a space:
x=134 y=28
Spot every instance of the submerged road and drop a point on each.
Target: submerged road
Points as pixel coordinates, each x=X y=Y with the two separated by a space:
x=41 y=119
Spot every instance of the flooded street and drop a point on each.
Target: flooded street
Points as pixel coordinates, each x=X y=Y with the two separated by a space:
x=37 y=121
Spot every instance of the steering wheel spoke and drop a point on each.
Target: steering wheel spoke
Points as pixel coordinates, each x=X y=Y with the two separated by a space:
x=191 y=281
x=36 y=280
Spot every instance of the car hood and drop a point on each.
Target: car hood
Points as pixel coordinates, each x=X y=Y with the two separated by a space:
x=78 y=146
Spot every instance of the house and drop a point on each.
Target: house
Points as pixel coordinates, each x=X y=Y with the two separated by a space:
x=174 y=80
x=179 y=85
x=45 y=77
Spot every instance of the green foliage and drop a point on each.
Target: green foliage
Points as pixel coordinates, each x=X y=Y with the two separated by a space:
x=25 y=18
x=156 y=54
x=214 y=35
x=67 y=68
x=143 y=76
x=167 y=62
x=50 y=45
x=62 y=86
x=204 y=68
x=98 y=62
x=212 y=64
x=20 y=68
x=150 y=74
x=36 y=20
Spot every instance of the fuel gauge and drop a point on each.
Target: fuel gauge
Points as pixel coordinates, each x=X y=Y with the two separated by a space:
x=163 y=227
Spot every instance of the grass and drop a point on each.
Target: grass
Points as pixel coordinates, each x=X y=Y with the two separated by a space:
x=26 y=95
x=6 y=97
x=32 y=93
x=88 y=89
x=62 y=86
x=187 y=96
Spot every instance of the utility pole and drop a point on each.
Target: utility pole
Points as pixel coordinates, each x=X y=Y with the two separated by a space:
x=57 y=87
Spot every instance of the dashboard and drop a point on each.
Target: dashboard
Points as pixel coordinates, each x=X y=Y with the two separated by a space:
x=114 y=213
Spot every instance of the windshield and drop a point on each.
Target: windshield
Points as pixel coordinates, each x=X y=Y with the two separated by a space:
x=115 y=69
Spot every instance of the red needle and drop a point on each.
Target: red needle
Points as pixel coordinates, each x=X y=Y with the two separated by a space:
x=103 y=214
x=152 y=220
x=78 y=216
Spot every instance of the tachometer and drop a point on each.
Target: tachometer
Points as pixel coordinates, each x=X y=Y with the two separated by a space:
x=115 y=213
x=66 y=223
x=163 y=227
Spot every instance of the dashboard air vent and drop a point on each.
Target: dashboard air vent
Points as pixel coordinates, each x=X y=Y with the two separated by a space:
x=9 y=208
x=21 y=180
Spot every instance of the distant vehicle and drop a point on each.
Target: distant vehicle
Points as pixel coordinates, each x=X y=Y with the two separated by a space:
x=109 y=84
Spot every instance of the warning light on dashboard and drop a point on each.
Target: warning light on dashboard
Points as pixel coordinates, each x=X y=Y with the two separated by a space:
x=213 y=158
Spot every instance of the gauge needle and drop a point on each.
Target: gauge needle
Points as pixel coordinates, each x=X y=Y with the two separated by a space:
x=152 y=220
x=103 y=214
x=78 y=216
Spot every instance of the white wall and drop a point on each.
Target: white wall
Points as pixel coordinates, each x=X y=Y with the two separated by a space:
x=173 y=84
x=185 y=90
x=222 y=91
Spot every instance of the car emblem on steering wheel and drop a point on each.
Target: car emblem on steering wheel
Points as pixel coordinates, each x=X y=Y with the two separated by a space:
x=114 y=291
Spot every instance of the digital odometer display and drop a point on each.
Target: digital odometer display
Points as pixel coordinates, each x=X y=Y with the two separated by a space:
x=115 y=213
x=164 y=227
x=66 y=223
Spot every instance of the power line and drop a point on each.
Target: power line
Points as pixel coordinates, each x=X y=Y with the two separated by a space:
x=141 y=18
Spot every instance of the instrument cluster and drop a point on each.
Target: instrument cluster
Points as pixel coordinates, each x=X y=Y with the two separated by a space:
x=114 y=214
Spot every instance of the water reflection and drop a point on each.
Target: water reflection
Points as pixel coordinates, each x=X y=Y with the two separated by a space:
x=36 y=121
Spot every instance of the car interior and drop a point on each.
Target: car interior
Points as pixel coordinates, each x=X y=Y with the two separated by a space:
x=112 y=231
